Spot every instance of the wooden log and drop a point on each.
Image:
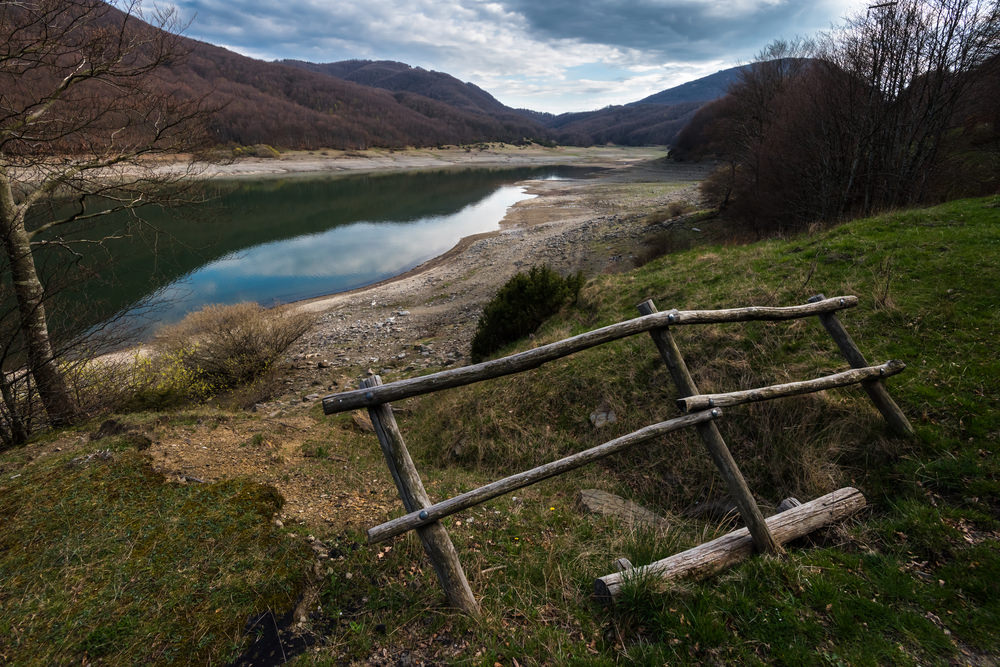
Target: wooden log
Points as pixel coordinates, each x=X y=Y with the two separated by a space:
x=431 y=513
x=713 y=440
x=875 y=389
x=529 y=359
x=437 y=543
x=855 y=376
x=711 y=557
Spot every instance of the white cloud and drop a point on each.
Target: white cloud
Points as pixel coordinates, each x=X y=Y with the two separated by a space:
x=521 y=51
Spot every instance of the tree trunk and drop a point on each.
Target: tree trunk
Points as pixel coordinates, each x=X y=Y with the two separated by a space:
x=34 y=329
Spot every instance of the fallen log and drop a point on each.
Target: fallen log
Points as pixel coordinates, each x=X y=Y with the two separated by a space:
x=711 y=557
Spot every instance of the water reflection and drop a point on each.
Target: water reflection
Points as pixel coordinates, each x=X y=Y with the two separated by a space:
x=274 y=240
x=339 y=259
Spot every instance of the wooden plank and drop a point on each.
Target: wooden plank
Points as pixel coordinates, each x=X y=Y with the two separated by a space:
x=846 y=378
x=431 y=513
x=876 y=390
x=516 y=363
x=712 y=438
x=711 y=557
x=437 y=543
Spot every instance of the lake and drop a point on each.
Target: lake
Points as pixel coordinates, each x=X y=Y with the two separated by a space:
x=280 y=239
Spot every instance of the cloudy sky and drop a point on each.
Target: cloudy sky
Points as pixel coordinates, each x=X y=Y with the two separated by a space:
x=546 y=55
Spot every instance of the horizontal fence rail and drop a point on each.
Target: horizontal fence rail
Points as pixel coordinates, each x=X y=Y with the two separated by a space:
x=846 y=378
x=445 y=508
x=516 y=363
x=760 y=535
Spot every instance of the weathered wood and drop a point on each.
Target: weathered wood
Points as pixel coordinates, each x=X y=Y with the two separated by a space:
x=876 y=390
x=855 y=376
x=529 y=359
x=601 y=502
x=712 y=438
x=718 y=554
x=428 y=513
x=437 y=543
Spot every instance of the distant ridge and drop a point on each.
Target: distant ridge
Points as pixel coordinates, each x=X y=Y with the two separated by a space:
x=362 y=104
x=400 y=77
x=656 y=119
x=705 y=89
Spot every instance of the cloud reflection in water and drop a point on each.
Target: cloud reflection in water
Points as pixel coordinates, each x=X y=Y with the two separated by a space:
x=339 y=259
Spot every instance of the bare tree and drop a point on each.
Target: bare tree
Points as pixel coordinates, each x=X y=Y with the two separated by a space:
x=909 y=63
x=859 y=125
x=86 y=105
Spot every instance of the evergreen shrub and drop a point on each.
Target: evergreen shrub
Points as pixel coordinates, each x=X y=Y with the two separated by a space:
x=520 y=307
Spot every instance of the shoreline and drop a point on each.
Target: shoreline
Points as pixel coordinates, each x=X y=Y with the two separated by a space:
x=305 y=164
x=424 y=319
x=378 y=161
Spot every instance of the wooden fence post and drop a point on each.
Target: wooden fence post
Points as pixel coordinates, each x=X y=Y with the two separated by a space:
x=435 y=538
x=763 y=541
x=875 y=388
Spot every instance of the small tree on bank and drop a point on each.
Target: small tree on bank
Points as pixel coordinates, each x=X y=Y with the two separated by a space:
x=84 y=109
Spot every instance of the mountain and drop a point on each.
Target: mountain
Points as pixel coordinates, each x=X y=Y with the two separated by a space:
x=402 y=78
x=643 y=125
x=360 y=104
x=656 y=119
x=293 y=107
x=705 y=89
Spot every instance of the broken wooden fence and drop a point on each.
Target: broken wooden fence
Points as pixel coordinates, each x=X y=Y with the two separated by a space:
x=765 y=536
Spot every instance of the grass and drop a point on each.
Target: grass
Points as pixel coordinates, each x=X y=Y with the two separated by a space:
x=909 y=581
x=102 y=560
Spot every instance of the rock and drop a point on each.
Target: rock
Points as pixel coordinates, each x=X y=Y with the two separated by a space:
x=600 y=502
x=402 y=313
x=362 y=421
x=623 y=564
x=310 y=397
x=109 y=428
x=787 y=504
x=720 y=510
x=602 y=416
x=324 y=364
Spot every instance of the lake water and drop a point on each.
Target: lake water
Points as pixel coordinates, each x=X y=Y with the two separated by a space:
x=276 y=240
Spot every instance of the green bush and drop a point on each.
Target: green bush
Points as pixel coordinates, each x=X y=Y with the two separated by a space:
x=520 y=307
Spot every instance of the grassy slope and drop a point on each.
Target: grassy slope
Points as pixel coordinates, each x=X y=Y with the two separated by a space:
x=101 y=559
x=910 y=581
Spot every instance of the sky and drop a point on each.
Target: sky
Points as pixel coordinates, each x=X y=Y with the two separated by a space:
x=545 y=55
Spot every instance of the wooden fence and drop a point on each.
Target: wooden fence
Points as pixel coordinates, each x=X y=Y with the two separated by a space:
x=765 y=536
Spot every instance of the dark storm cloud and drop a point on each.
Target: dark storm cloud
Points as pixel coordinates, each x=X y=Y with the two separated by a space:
x=677 y=29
